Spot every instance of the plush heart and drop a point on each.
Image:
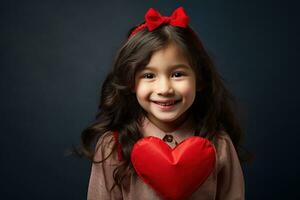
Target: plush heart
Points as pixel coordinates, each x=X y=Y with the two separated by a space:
x=173 y=173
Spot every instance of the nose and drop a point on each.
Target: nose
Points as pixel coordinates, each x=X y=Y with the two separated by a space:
x=164 y=87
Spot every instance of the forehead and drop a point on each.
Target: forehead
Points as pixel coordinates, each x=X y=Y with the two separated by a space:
x=170 y=55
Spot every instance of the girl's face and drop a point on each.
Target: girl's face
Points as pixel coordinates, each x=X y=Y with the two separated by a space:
x=166 y=87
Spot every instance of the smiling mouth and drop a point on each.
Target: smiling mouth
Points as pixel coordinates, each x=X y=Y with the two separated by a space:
x=168 y=103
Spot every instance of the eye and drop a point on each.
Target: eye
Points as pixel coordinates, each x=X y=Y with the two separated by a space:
x=148 y=75
x=177 y=74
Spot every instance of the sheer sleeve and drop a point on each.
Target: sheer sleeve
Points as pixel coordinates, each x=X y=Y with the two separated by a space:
x=101 y=178
x=230 y=179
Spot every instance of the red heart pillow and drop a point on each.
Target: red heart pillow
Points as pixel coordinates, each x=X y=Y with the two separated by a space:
x=174 y=173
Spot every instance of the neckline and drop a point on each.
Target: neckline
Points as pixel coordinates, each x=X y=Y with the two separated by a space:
x=119 y=148
x=170 y=138
x=148 y=128
x=187 y=119
x=172 y=148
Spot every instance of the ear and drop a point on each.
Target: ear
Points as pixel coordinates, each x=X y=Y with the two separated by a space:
x=133 y=87
x=133 y=90
x=200 y=86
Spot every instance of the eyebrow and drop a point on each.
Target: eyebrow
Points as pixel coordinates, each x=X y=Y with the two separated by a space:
x=181 y=65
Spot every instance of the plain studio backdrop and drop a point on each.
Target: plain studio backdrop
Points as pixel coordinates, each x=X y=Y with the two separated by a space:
x=54 y=57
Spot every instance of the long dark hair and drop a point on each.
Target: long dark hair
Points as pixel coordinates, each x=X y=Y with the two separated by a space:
x=119 y=110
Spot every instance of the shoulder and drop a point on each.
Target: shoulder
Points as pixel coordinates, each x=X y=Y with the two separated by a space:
x=106 y=141
x=226 y=152
x=223 y=138
x=106 y=147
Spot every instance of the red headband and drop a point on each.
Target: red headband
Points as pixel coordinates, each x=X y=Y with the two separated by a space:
x=153 y=19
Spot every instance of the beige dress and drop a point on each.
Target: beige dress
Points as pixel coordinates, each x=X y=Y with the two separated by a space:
x=226 y=182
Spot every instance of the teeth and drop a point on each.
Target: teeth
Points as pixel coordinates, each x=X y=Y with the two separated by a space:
x=166 y=103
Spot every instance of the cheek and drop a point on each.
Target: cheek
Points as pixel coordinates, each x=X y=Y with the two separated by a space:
x=142 y=91
x=187 y=89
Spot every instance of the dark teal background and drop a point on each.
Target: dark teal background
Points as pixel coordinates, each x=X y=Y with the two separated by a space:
x=54 y=56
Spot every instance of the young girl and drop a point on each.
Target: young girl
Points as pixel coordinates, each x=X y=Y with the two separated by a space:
x=166 y=127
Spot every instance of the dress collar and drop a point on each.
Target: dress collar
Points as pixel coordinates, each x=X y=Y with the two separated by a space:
x=185 y=130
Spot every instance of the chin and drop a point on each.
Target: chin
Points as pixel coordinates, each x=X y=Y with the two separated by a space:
x=167 y=119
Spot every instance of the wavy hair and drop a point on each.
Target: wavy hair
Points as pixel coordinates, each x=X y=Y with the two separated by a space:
x=214 y=106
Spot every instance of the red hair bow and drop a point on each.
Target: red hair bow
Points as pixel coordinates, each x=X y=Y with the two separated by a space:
x=154 y=19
